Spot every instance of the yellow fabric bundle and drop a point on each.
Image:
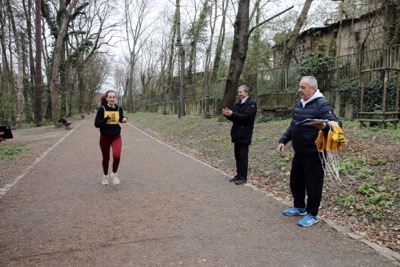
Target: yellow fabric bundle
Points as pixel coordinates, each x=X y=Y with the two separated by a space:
x=333 y=141
x=321 y=141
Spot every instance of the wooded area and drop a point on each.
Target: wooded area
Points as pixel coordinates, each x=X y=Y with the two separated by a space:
x=57 y=55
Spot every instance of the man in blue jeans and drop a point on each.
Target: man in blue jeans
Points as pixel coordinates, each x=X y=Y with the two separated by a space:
x=307 y=173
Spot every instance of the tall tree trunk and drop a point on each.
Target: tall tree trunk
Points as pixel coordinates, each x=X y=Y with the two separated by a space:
x=207 y=63
x=20 y=77
x=170 y=66
x=291 y=42
x=239 y=52
x=181 y=110
x=81 y=90
x=63 y=87
x=29 y=81
x=213 y=22
x=38 y=59
x=6 y=98
x=220 y=43
x=131 y=79
x=64 y=17
x=195 y=33
x=135 y=27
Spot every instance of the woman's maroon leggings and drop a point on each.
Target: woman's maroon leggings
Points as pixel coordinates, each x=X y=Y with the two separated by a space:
x=105 y=143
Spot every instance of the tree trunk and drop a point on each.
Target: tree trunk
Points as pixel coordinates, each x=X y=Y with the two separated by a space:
x=170 y=66
x=181 y=109
x=213 y=21
x=239 y=51
x=6 y=74
x=20 y=77
x=28 y=50
x=220 y=43
x=38 y=59
x=65 y=17
x=291 y=42
x=131 y=80
x=62 y=86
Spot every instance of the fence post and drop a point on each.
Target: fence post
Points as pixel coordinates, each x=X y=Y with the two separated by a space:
x=286 y=78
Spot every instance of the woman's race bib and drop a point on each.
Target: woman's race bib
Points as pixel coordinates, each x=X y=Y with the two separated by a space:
x=114 y=117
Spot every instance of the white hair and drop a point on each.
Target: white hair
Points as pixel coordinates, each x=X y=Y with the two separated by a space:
x=245 y=88
x=312 y=80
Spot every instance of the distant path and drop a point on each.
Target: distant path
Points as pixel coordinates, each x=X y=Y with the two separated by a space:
x=169 y=210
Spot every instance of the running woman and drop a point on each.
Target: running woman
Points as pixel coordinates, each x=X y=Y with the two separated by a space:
x=108 y=117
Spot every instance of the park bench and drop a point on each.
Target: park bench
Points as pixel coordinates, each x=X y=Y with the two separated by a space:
x=65 y=122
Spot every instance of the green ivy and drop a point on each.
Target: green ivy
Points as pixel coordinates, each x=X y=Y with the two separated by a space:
x=350 y=94
x=317 y=64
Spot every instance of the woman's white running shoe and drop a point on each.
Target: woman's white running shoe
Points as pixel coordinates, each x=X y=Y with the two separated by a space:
x=115 y=179
x=105 y=180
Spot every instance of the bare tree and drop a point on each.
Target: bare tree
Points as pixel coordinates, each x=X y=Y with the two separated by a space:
x=28 y=61
x=38 y=68
x=213 y=14
x=181 y=60
x=220 y=42
x=65 y=12
x=7 y=93
x=239 y=50
x=95 y=73
x=20 y=77
x=137 y=30
x=196 y=35
x=292 y=40
x=93 y=31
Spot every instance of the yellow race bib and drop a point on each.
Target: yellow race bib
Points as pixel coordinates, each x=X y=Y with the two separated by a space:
x=114 y=117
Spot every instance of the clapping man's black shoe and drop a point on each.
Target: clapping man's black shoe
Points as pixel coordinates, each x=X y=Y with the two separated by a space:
x=241 y=181
x=234 y=179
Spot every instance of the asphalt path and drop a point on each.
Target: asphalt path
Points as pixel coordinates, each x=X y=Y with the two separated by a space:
x=169 y=210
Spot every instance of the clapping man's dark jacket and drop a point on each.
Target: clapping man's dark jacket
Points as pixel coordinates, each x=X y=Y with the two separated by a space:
x=243 y=117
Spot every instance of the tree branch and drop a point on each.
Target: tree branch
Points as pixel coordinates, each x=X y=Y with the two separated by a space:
x=271 y=18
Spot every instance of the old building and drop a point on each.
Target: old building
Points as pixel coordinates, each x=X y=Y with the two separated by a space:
x=341 y=38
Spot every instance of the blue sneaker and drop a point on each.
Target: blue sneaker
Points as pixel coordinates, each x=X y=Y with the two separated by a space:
x=293 y=211
x=308 y=220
